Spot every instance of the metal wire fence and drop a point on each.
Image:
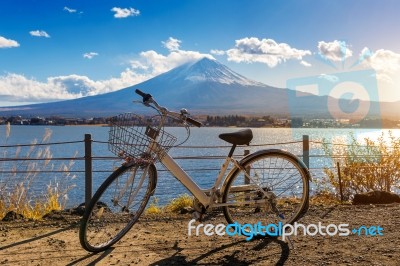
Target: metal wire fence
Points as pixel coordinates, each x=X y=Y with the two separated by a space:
x=316 y=162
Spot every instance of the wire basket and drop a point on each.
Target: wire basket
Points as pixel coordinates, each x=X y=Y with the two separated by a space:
x=131 y=135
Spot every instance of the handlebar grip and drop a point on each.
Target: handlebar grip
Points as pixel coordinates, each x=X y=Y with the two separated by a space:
x=145 y=96
x=194 y=122
x=141 y=93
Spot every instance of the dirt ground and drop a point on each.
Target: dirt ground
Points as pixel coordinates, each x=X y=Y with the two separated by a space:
x=165 y=241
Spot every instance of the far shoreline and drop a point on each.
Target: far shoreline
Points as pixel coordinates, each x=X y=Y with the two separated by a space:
x=204 y=126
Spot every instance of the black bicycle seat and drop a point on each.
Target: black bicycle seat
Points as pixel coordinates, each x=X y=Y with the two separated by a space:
x=240 y=137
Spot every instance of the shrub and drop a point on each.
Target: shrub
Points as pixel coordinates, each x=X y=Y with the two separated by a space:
x=153 y=208
x=179 y=203
x=364 y=166
x=174 y=206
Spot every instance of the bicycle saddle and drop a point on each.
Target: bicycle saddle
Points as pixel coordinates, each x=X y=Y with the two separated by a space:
x=240 y=137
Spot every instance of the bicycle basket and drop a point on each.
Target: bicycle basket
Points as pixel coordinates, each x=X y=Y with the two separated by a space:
x=131 y=136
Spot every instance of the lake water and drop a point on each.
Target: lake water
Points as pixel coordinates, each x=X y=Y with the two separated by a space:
x=202 y=170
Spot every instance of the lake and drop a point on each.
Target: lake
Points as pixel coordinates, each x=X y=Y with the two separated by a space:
x=202 y=170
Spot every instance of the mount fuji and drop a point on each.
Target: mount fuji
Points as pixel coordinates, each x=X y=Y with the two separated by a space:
x=203 y=87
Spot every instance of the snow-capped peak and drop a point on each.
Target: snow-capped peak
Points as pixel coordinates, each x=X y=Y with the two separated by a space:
x=207 y=69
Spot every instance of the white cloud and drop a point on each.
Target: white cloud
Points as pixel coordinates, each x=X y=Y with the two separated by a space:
x=266 y=51
x=386 y=63
x=39 y=33
x=305 y=63
x=155 y=63
x=172 y=44
x=69 y=10
x=8 y=43
x=335 y=51
x=18 y=88
x=217 y=52
x=125 y=12
x=134 y=64
x=330 y=78
x=365 y=54
x=90 y=55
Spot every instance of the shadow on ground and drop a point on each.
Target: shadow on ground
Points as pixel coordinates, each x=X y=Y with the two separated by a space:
x=231 y=254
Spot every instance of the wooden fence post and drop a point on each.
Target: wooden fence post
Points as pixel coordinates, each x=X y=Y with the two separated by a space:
x=88 y=169
x=306 y=150
x=340 y=182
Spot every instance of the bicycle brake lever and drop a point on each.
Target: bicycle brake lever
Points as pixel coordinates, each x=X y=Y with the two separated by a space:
x=141 y=102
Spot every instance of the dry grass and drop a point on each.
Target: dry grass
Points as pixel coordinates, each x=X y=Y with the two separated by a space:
x=325 y=198
x=365 y=165
x=174 y=206
x=179 y=203
x=19 y=174
x=153 y=208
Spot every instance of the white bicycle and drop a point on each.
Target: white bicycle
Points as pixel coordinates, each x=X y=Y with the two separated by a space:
x=267 y=186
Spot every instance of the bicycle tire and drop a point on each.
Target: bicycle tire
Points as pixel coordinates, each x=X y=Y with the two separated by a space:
x=108 y=218
x=265 y=168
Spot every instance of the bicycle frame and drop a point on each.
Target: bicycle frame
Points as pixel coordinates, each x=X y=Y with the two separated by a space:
x=210 y=200
x=188 y=182
x=205 y=196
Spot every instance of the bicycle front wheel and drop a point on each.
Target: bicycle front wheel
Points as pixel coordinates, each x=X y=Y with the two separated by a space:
x=272 y=186
x=116 y=206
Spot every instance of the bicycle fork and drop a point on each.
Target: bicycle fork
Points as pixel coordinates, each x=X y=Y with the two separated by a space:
x=129 y=186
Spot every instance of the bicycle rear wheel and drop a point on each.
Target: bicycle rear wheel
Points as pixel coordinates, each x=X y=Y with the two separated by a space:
x=116 y=206
x=276 y=173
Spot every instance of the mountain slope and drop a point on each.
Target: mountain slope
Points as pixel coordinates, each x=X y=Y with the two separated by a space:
x=205 y=86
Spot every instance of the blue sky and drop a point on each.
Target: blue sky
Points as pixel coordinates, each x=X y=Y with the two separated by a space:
x=54 y=50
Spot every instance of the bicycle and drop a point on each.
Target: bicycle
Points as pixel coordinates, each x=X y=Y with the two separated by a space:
x=267 y=185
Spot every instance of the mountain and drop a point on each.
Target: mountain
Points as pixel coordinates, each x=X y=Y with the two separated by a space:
x=209 y=85
x=205 y=86
x=202 y=86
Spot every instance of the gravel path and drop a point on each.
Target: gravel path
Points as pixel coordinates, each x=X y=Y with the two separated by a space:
x=165 y=241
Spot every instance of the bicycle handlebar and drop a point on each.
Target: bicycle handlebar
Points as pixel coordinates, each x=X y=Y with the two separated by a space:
x=147 y=99
x=146 y=96
x=194 y=122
